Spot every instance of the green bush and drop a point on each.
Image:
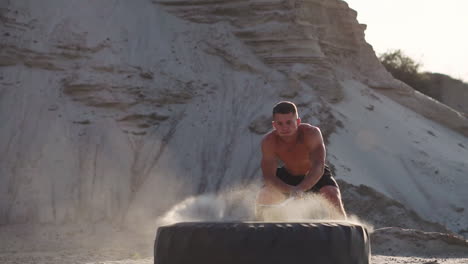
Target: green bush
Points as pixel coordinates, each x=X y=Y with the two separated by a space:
x=404 y=69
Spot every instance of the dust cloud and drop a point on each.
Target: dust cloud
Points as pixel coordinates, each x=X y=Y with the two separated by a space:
x=239 y=205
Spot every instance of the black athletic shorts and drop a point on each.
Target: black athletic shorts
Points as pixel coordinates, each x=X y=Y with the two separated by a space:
x=326 y=179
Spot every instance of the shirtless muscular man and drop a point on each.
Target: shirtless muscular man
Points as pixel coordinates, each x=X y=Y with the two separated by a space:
x=301 y=148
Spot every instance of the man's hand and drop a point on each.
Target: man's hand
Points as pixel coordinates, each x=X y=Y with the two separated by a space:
x=296 y=192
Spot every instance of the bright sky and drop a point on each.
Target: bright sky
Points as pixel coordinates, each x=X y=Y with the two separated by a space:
x=432 y=32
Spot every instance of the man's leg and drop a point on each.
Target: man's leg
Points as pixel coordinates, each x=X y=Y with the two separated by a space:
x=332 y=194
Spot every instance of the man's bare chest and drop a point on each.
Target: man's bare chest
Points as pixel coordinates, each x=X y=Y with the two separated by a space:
x=292 y=152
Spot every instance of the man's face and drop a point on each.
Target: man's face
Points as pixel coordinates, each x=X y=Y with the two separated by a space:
x=286 y=124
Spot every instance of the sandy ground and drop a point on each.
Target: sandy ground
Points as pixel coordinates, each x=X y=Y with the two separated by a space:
x=108 y=244
x=115 y=256
x=378 y=259
x=80 y=259
x=88 y=257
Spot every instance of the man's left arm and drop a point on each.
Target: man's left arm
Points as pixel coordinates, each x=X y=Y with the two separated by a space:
x=314 y=141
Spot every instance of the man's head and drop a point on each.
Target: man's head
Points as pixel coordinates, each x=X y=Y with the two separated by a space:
x=285 y=118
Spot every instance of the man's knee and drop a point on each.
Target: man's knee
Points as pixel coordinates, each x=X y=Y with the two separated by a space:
x=331 y=192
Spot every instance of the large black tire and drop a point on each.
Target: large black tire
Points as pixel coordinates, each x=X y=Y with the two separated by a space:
x=260 y=242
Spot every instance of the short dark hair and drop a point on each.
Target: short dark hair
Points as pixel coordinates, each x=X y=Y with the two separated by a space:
x=285 y=107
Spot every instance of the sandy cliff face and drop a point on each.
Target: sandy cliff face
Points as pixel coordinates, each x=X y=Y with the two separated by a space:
x=114 y=109
x=317 y=42
x=113 y=105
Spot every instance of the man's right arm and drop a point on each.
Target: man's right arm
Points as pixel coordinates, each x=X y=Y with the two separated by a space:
x=269 y=165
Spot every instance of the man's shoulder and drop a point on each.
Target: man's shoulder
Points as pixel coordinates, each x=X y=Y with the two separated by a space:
x=269 y=143
x=269 y=137
x=310 y=132
x=308 y=128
